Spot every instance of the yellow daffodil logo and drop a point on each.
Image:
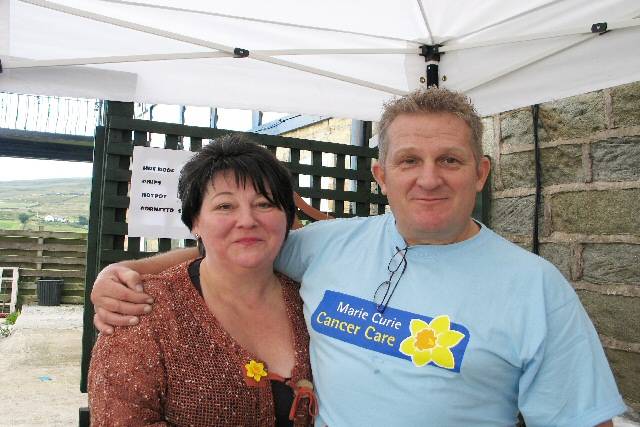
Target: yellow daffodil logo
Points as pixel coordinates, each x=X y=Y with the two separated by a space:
x=255 y=370
x=431 y=342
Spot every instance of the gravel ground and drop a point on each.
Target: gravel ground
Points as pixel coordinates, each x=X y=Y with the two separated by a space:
x=40 y=365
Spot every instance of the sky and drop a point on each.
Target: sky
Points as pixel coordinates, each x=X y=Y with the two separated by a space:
x=12 y=169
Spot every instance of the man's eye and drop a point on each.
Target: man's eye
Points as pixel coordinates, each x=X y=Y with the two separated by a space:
x=450 y=160
x=408 y=161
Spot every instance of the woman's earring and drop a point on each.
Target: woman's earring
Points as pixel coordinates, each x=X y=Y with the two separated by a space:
x=200 y=245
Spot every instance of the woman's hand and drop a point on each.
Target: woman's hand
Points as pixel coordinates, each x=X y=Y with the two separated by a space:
x=118 y=298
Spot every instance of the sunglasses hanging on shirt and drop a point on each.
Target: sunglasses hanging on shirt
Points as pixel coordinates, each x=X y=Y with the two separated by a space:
x=396 y=267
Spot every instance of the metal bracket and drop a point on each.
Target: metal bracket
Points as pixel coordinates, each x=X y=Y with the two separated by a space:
x=240 y=53
x=431 y=55
x=599 y=27
x=430 y=52
x=433 y=75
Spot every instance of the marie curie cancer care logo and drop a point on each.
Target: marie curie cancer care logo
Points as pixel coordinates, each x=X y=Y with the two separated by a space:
x=423 y=340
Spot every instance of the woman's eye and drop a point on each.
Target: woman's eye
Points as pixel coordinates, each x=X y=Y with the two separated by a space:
x=265 y=205
x=224 y=206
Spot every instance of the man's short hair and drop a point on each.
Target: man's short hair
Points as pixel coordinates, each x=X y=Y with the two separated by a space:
x=431 y=101
x=247 y=161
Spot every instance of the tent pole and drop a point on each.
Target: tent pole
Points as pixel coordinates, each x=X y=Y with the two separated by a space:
x=600 y=28
x=96 y=60
x=426 y=21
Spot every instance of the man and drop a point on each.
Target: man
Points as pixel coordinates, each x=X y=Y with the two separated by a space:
x=424 y=316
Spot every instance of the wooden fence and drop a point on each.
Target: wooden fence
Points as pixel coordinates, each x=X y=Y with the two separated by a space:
x=49 y=254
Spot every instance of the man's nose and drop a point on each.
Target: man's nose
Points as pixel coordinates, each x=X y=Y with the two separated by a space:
x=429 y=176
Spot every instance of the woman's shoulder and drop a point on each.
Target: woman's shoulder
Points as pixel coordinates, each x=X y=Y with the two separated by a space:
x=287 y=281
x=291 y=289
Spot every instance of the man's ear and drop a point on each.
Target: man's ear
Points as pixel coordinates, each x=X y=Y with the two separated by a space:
x=484 y=167
x=378 y=173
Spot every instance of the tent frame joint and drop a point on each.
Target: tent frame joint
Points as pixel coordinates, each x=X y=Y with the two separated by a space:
x=599 y=27
x=431 y=52
x=240 y=53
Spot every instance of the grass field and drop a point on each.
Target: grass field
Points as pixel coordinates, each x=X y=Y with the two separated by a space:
x=65 y=198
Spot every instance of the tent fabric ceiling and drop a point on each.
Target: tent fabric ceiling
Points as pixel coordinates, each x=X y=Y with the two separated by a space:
x=337 y=58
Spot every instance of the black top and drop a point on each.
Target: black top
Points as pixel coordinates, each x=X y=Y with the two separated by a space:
x=282 y=393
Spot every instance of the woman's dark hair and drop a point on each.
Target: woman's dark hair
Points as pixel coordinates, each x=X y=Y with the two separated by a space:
x=248 y=162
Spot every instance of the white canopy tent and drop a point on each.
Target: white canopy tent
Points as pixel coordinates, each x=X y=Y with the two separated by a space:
x=335 y=57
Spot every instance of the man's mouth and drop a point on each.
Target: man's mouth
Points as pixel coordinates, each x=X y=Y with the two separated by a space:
x=429 y=199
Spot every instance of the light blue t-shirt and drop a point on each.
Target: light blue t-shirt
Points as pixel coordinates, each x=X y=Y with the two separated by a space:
x=474 y=332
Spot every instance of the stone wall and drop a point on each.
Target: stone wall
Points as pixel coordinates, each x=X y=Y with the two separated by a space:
x=589 y=218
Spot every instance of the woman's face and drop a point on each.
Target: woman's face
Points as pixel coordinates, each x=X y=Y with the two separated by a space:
x=238 y=226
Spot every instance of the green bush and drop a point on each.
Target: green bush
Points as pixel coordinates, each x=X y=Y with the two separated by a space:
x=5 y=331
x=12 y=317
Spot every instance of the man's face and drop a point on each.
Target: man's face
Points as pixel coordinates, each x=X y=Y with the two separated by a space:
x=431 y=177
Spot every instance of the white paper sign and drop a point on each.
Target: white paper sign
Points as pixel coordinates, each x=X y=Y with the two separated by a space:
x=154 y=207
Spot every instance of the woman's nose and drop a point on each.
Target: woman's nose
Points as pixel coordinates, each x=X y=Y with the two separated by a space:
x=246 y=217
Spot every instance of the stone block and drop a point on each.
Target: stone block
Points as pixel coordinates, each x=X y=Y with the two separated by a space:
x=573 y=117
x=567 y=118
x=614 y=316
x=512 y=215
x=516 y=127
x=517 y=170
x=331 y=130
x=616 y=159
x=624 y=104
x=596 y=212
x=626 y=369
x=558 y=255
x=559 y=165
x=612 y=263
x=489 y=143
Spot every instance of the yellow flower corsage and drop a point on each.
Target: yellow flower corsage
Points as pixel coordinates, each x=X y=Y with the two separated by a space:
x=255 y=370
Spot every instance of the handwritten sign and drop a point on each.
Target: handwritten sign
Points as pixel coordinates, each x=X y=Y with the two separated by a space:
x=154 y=209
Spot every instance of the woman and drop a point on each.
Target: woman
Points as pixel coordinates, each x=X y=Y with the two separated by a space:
x=226 y=343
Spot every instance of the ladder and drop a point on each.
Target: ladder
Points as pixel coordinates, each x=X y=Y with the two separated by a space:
x=8 y=290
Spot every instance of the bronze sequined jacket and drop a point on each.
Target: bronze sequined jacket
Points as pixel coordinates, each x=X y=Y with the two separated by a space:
x=179 y=367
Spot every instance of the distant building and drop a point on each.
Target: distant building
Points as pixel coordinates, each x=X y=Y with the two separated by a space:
x=52 y=218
